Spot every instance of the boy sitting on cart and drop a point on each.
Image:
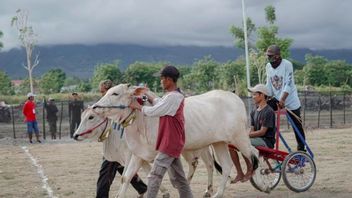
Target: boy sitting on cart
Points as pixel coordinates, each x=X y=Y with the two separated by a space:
x=262 y=131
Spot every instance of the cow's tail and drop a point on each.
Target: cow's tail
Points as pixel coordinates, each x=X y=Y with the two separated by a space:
x=254 y=158
x=216 y=164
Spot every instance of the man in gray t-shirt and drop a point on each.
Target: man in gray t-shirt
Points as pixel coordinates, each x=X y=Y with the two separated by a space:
x=262 y=126
x=262 y=130
x=262 y=119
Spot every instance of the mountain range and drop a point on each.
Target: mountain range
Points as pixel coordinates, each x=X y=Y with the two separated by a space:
x=80 y=60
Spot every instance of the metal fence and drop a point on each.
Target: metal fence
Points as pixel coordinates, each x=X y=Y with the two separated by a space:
x=12 y=122
x=319 y=110
x=322 y=109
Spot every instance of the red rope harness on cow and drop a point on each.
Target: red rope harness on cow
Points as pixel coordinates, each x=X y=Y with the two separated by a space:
x=91 y=130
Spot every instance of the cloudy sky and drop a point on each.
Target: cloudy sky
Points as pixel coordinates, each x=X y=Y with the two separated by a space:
x=315 y=24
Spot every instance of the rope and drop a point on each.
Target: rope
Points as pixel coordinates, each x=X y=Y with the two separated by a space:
x=294 y=115
x=111 y=107
x=90 y=130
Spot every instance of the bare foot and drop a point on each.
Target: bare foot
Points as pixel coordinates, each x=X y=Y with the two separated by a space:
x=237 y=179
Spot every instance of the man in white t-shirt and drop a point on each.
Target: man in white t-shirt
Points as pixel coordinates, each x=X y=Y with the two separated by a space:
x=171 y=134
x=280 y=83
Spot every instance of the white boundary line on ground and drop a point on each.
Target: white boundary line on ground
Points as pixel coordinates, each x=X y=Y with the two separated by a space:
x=40 y=172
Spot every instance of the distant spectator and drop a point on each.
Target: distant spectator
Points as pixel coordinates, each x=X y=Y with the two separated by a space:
x=75 y=108
x=104 y=86
x=3 y=104
x=5 y=115
x=51 y=117
x=30 y=118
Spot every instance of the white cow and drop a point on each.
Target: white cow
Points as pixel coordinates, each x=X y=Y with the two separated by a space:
x=215 y=118
x=115 y=148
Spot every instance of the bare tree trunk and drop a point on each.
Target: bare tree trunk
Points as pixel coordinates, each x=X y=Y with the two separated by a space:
x=28 y=39
x=30 y=80
x=29 y=68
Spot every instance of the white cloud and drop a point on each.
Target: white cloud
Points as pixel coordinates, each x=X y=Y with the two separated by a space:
x=311 y=23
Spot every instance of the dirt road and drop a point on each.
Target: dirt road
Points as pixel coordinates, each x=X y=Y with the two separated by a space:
x=70 y=169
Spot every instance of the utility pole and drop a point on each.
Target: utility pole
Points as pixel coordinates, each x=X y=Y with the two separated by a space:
x=246 y=44
x=249 y=102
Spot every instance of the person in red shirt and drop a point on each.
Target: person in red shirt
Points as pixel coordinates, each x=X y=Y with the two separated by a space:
x=29 y=113
x=171 y=134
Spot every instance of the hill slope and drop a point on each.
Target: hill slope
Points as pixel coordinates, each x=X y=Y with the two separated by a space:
x=79 y=60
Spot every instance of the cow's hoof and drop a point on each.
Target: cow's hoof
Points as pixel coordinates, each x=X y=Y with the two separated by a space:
x=166 y=195
x=207 y=194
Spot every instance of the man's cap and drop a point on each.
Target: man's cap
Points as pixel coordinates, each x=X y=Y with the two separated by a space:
x=273 y=50
x=170 y=71
x=260 y=88
x=30 y=94
x=74 y=93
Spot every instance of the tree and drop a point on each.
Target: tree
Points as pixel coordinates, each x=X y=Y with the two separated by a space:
x=297 y=65
x=84 y=86
x=258 y=63
x=238 y=33
x=337 y=73
x=24 y=88
x=52 y=81
x=141 y=72
x=72 y=80
x=28 y=40
x=321 y=71
x=265 y=36
x=268 y=35
x=270 y=15
x=314 y=69
x=108 y=71
x=203 y=76
x=300 y=77
x=184 y=70
x=228 y=72
x=6 y=87
x=189 y=82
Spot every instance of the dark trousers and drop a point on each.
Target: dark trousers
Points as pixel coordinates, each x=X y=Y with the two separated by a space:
x=52 y=128
x=74 y=125
x=300 y=145
x=298 y=124
x=106 y=177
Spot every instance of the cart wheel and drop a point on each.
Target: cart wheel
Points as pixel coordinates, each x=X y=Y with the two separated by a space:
x=270 y=170
x=299 y=171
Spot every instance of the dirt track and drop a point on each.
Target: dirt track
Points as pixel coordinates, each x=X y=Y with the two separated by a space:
x=72 y=169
